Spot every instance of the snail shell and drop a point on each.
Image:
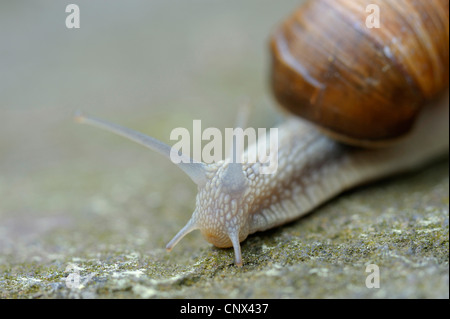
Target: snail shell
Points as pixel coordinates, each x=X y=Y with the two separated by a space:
x=363 y=85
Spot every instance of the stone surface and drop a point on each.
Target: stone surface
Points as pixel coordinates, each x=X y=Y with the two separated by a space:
x=81 y=208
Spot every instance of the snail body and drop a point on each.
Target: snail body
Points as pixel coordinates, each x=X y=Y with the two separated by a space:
x=235 y=202
x=235 y=199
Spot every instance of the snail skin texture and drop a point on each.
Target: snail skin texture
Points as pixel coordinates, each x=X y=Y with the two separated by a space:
x=235 y=200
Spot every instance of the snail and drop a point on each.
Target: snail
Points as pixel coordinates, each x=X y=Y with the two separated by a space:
x=358 y=92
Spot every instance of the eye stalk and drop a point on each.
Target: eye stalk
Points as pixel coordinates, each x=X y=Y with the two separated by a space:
x=195 y=170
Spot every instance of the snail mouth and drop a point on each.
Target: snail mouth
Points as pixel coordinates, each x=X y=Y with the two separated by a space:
x=222 y=241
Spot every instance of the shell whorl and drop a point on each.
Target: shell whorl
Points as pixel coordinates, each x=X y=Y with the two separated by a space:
x=364 y=85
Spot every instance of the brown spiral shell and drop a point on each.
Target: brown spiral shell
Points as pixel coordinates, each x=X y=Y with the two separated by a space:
x=359 y=83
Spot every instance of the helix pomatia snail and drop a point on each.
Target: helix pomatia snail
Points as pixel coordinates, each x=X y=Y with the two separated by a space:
x=363 y=86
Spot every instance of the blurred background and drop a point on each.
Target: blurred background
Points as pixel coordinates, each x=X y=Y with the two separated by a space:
x=153 y=65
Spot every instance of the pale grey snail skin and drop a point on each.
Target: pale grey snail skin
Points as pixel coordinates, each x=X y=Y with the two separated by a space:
x=234 y=200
